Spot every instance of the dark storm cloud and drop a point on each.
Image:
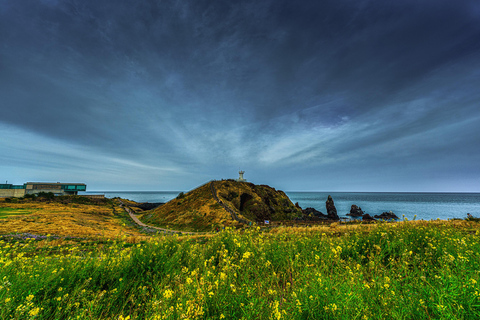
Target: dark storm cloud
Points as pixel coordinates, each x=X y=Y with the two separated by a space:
x=188 y=86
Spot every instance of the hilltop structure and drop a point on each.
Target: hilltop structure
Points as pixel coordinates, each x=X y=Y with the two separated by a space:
x=58 y=189
x=240 y=176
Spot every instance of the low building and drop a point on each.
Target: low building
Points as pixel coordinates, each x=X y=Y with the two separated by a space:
x=58 y=188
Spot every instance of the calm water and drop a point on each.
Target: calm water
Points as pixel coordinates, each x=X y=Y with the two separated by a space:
x=426 y=206
x=140 y=196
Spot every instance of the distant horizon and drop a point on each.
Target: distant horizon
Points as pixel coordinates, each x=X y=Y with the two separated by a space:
x=172 y=191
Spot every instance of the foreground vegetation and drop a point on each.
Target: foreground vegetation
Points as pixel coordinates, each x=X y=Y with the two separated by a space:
x=405 y=270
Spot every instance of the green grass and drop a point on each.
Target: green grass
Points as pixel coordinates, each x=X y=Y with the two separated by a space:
x=5 y=212
x=424 y=270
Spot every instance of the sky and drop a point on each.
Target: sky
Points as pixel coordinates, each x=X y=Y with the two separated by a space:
x=331 y=95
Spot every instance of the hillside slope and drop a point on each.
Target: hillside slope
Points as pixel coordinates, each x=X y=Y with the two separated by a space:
x=222 y=203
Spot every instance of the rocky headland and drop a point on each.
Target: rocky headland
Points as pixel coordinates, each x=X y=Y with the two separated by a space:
x=217 y=204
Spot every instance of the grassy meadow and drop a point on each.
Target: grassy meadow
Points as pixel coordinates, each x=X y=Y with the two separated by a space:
x=404 y=270
x=66 y=217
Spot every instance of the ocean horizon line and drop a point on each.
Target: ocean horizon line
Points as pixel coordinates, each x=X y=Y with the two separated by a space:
x=297 y=191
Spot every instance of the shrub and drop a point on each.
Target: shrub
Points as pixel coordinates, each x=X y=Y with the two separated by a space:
x=181 y=195
x=46 y=195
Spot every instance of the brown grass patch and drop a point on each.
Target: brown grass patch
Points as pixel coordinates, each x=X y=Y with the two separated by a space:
x=66 y=220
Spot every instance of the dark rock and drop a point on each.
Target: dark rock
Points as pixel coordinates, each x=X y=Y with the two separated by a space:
x=244 y=198
x=298 y=206
x=367 y=217
x=355 y=211
x=313 y=212
x=331 y=210
x=386 y=216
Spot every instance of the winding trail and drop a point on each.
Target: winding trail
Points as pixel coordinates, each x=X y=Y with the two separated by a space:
x=140 y=223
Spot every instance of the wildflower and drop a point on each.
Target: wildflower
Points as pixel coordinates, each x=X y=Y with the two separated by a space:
x=247 y=255
x=168 y=294
x=7 y=300
x=34 y=311
x=30 y=297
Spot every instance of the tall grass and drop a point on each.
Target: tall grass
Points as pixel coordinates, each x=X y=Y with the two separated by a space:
x=425 y=270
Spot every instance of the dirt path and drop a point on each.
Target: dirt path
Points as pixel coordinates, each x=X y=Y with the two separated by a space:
x=140 y=223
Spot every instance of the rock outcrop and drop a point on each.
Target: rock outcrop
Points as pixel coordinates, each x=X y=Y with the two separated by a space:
x=387 y=216
x=331 y=210
x=355 y=211
x=367 y=217
x=313 y=213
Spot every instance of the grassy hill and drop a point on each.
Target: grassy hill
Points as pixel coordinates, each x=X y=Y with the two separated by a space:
x=198 y=210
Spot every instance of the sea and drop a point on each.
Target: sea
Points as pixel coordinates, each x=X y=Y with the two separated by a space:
x=420 y=206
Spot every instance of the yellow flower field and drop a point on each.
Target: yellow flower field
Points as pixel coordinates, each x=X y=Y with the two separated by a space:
x=403 y=270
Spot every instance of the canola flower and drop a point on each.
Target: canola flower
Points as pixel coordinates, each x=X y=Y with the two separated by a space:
x=403 y=270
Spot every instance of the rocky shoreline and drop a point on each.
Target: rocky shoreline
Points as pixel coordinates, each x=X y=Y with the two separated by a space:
x=355 y=212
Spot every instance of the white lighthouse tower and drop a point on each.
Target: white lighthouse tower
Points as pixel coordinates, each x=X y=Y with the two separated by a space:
x=240 y=176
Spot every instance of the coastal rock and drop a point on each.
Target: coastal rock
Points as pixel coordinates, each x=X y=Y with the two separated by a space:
x=312 y=212
x=367 y=217
x=387 y=216
x=355 y=211
x=331 y=210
